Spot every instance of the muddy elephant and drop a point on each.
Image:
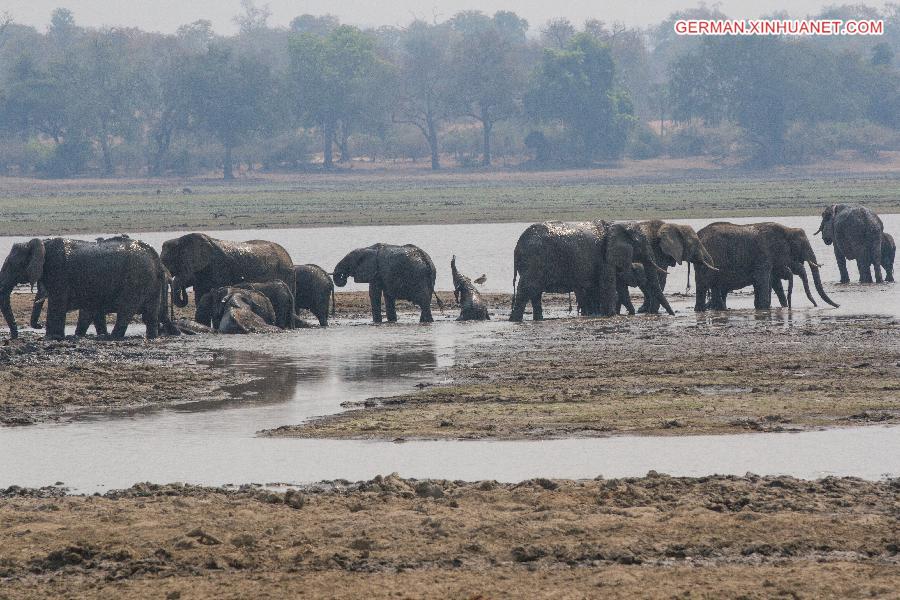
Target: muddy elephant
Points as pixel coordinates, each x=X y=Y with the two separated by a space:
x=888 y=252
x=754 y=255
x=205 y=263
x=583 y=258
x=246 y=311
x=123 y=276
x=856 y=233
x=313 y=291
x=212 y=304
x=396 y=272
x=672 y=244
x=471 y=305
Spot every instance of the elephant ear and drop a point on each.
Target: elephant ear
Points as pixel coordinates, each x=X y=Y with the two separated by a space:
x=671 y=242
x=366 y=267
x=35 y=267
x=195 y=254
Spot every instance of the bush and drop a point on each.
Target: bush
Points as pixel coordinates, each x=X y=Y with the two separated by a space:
x=464 y=144
x=643 y=142
x=67 y=159
x=288 y=151
x=723 y=141
x=805 y=142
x=18 y=157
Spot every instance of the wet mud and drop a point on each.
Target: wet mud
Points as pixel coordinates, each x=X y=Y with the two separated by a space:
x=654 y=537
x=733 y=372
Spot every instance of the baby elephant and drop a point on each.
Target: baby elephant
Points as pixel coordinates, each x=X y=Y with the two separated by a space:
x=888 y=252
x=211 y=306
x=633 y=277
x=246 y=311
x=472 y=307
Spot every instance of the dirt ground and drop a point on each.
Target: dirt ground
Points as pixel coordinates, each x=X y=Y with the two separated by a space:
x=653 y=537
x=694 y=374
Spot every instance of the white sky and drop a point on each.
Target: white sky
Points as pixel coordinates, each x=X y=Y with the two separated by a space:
x=166 y=15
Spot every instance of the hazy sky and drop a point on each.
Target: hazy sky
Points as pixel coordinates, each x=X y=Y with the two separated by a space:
x=167 y=15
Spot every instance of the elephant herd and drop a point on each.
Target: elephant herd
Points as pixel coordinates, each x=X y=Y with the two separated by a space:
x=242 y=287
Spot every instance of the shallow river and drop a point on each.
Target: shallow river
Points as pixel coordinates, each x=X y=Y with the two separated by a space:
x=311 y=372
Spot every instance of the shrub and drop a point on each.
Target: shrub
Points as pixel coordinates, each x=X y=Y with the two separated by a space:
x=643 y=142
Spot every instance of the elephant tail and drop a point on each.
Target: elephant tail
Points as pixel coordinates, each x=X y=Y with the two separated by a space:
x=333 y=310
x=515 y=274
x=688 y=287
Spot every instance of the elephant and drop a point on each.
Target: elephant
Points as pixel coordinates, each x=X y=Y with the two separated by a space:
x=212 y=304
x=672 y=243
x=856 y=233
x=396 y=272
x=888 y=251
x=577 y=257
x=205 y=263
x=472 y=307
x=85 y=318
x=754 y=255
x=313 y=290
x=246 y=311
x=118 y=275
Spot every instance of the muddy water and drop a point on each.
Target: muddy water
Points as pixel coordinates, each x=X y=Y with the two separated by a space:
x=311 y=372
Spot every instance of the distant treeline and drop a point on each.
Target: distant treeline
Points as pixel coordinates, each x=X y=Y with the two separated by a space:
x=472 y=90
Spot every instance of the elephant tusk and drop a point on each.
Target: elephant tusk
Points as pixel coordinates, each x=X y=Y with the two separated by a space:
x=818 y=231
x=816 y=265
x=710 y=267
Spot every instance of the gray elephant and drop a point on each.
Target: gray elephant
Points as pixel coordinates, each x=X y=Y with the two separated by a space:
x=205 y=263
x=856 y=233
x=754 y=255
x=888 y=252
x=471 y=306
x=313 y=290
x=123 y=276
x=211 y=306
x=396 y=272
x=577 y=257
x=246 y=311
x=672 y=243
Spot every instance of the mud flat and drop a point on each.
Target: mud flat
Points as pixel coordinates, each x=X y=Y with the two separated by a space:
x=694 y=374
x=41 y=381
x=653 y=537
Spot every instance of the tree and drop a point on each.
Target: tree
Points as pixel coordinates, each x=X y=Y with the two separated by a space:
x=330 y=77
x=425 y=99
x=316 y=25
x=227 y=97
x=557 y=33
x=488 y=79
x=576 y=87
x=253 y=18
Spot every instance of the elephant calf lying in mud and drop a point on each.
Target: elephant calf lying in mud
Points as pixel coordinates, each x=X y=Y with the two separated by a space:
x=246 y=311
x=472 y=307
x=211 y=305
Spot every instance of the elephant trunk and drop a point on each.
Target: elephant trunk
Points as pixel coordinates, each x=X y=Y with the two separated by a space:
x=805 y=280
x=36 y=313
x=818 y=281
x=340 y=279
x=6 y=308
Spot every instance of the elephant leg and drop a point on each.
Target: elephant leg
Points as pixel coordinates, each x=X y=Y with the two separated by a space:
x=700 y=292
x=537 y=310
x=426 y=317
x=842 y=265
x=762 y=289
x=56 y=318
x=100 y=323
x=778 y=288
x=150 y=317
x=122 y=320
x=875 y=253
x=85 y=319
x=623 y=298
x=322 y=315
x=888 y=273
x=520 y=299
x=653 y=302
x=390 y=307
x=862 y=265
x=375 y=300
